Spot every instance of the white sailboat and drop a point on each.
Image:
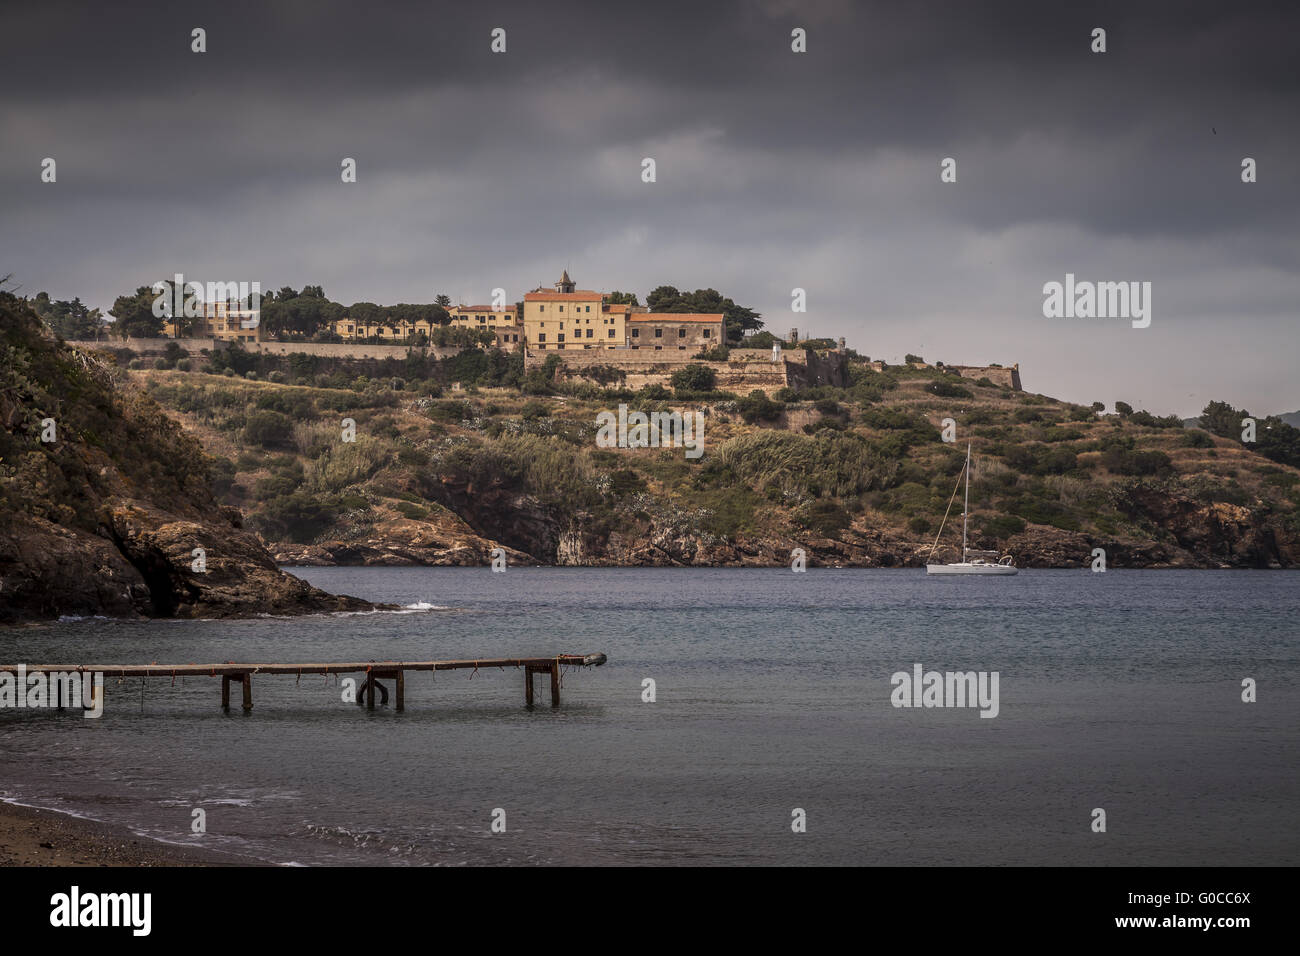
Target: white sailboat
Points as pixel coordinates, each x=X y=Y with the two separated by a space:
x=972 y=561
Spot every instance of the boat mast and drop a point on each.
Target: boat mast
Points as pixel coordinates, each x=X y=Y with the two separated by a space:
x=966 y=506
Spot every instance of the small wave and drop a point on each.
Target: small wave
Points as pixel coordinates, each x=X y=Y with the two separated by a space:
x=419 y=607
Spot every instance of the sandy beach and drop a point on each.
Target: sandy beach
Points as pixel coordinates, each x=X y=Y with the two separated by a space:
x=34 y=837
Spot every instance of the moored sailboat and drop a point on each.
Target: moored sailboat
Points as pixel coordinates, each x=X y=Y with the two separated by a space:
x=972 y=561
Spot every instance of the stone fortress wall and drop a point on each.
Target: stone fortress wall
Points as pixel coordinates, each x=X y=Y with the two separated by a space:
x=743 y=371
x=325 y=349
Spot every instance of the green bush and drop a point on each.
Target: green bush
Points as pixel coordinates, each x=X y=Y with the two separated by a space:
x=1121 y=461
x=824 y=517
x=949 y=390
x=694 y=378
x=1040 y=459
x=294 y=402
x=1002 y=526
x=298 y=517
x=756 y=407
x=267 y=428
x=840 y=464
x=534 y=410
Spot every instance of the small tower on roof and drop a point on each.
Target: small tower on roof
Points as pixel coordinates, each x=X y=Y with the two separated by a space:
x=565 y=284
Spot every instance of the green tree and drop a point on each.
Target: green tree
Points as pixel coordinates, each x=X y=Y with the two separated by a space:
x=760 y=340
x=1220 y=418
x=621 y=298
x=737 y=319
x=134 y=314
x=693 y=378
x=69 y=320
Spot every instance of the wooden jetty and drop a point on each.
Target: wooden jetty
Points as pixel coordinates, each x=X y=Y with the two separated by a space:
x=373 y=672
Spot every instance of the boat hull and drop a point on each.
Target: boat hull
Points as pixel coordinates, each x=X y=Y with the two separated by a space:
x=992 y=570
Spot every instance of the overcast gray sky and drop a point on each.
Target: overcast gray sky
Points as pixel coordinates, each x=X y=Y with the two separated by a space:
x=775 y=170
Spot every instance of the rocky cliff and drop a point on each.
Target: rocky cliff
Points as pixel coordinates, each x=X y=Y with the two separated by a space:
x=106 y=505
x=394 y=465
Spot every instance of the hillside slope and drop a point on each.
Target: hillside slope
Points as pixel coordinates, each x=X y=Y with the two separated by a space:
x=104 y=500
x=855 y=476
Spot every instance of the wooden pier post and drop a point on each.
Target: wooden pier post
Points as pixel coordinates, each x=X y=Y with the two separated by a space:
x=528 y=686
x=400 y=689
x=248 y=692
x=370 y=692
x=225 y=692
x=555 y=683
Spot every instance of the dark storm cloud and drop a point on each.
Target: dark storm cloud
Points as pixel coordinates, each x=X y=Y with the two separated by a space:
x=775 y=170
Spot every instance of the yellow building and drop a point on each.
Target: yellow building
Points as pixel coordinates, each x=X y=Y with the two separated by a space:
x=571 y=318
x=691 y=331
x=220 y=321
x=504 y=322
x=397 y=332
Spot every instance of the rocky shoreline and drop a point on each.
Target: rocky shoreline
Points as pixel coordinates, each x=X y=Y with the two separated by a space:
x=106 y=506
x=1204 y=537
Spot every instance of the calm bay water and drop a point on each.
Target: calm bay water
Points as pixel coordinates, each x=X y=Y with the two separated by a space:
x=1119 y=690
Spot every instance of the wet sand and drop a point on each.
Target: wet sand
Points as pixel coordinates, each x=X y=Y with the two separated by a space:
x=35 y=837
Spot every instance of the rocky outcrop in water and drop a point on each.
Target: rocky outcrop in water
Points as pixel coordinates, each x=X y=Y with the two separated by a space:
x=106 y=506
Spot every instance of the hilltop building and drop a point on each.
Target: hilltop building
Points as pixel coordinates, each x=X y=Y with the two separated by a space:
x=221 y=321
x=569 y=319
x=504 y=322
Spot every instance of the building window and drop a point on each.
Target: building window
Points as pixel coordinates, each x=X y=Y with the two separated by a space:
x=706 y=333
x=611 y=333
x=636 y=333
x=589 y=333
x=561 y=338
x=681 y=333
x=588 y=308
x=659 y=333
x=561 y=308
x=541 y=337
